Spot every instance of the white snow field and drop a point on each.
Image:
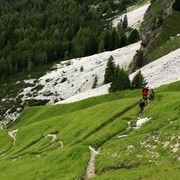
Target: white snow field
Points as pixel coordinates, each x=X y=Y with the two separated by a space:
x=78 y=77
x=87 y=94
x=164 y=70
x=135 y=17
x=78 y=85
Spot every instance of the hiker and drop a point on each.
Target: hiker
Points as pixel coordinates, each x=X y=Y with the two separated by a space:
x=151 y=94
x=145 y=92
x=141 y=105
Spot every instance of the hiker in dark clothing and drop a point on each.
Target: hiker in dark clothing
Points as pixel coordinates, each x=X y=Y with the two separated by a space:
x=141 y=105
x=151 y=94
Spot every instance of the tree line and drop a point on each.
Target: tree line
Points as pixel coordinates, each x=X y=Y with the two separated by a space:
x=39 y=32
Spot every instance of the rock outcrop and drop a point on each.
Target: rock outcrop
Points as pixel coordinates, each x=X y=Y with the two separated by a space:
x=155 y=30
x=153 y=20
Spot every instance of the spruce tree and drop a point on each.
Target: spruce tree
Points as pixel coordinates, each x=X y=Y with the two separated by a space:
x=125 y=80
x=120 y=80
x=101 y=47
x=133 y=37
x=115 y=80
x=140 y=58
x=125 y=22
x=106 y=40
x=30 y=65
x=10 y=69
x=95 y=82
x=123 y=39
x=113 y=38
x=138 y=81
x=110 y=68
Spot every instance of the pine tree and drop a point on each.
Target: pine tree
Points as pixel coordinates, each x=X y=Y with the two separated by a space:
x=140 y=58
x=115 y=80
x=125 y=22
x=66 y=55
x=107 y=36
x=138 y=81
x=95 y=82
x=133 y=37
x=123 y=39
x=101 y=47
x=113 y=38
x=92 y=44
x=16 y=68
x=110 y=68
x=30 y=65
x=125 y=80
x=10 y=69
x=81 y=69
x=120 y=80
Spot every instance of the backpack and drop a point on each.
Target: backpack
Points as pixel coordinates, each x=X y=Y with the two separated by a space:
x=144 y=91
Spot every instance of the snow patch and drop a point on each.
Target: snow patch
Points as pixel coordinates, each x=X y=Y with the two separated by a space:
x=89 y=93
x=135 y=17
x=175 y=148
x=65 y=82
x=130 y=147
x=166 y=144
x=162 y=71
x=140 y=122
x=122 y=136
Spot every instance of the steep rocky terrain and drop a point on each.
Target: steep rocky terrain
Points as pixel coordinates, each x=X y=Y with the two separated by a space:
x=159 y=31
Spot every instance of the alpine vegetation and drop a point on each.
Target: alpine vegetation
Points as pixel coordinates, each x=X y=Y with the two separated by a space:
x=89 y=89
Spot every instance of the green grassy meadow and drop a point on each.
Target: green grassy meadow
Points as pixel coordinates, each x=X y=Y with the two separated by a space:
x=150 y=152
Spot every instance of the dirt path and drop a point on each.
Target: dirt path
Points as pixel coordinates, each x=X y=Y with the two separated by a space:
x=53 y=136
x=2 y=154
x=13 y=134
x=90 y=171
x=61 y=144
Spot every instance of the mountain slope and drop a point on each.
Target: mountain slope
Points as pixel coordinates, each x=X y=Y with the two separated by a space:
x=53 y=141
x=159 y=31
x=100 y=137
x=135 y=17
x=72 y=80
x=67 y=79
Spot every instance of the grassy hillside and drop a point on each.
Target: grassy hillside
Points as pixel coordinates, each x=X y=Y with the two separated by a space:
x=53 y=142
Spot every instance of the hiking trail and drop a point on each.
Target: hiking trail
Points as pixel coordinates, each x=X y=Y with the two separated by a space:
x=13 y=134
x=61 y=144
x=90 y=171
x=53 y=136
